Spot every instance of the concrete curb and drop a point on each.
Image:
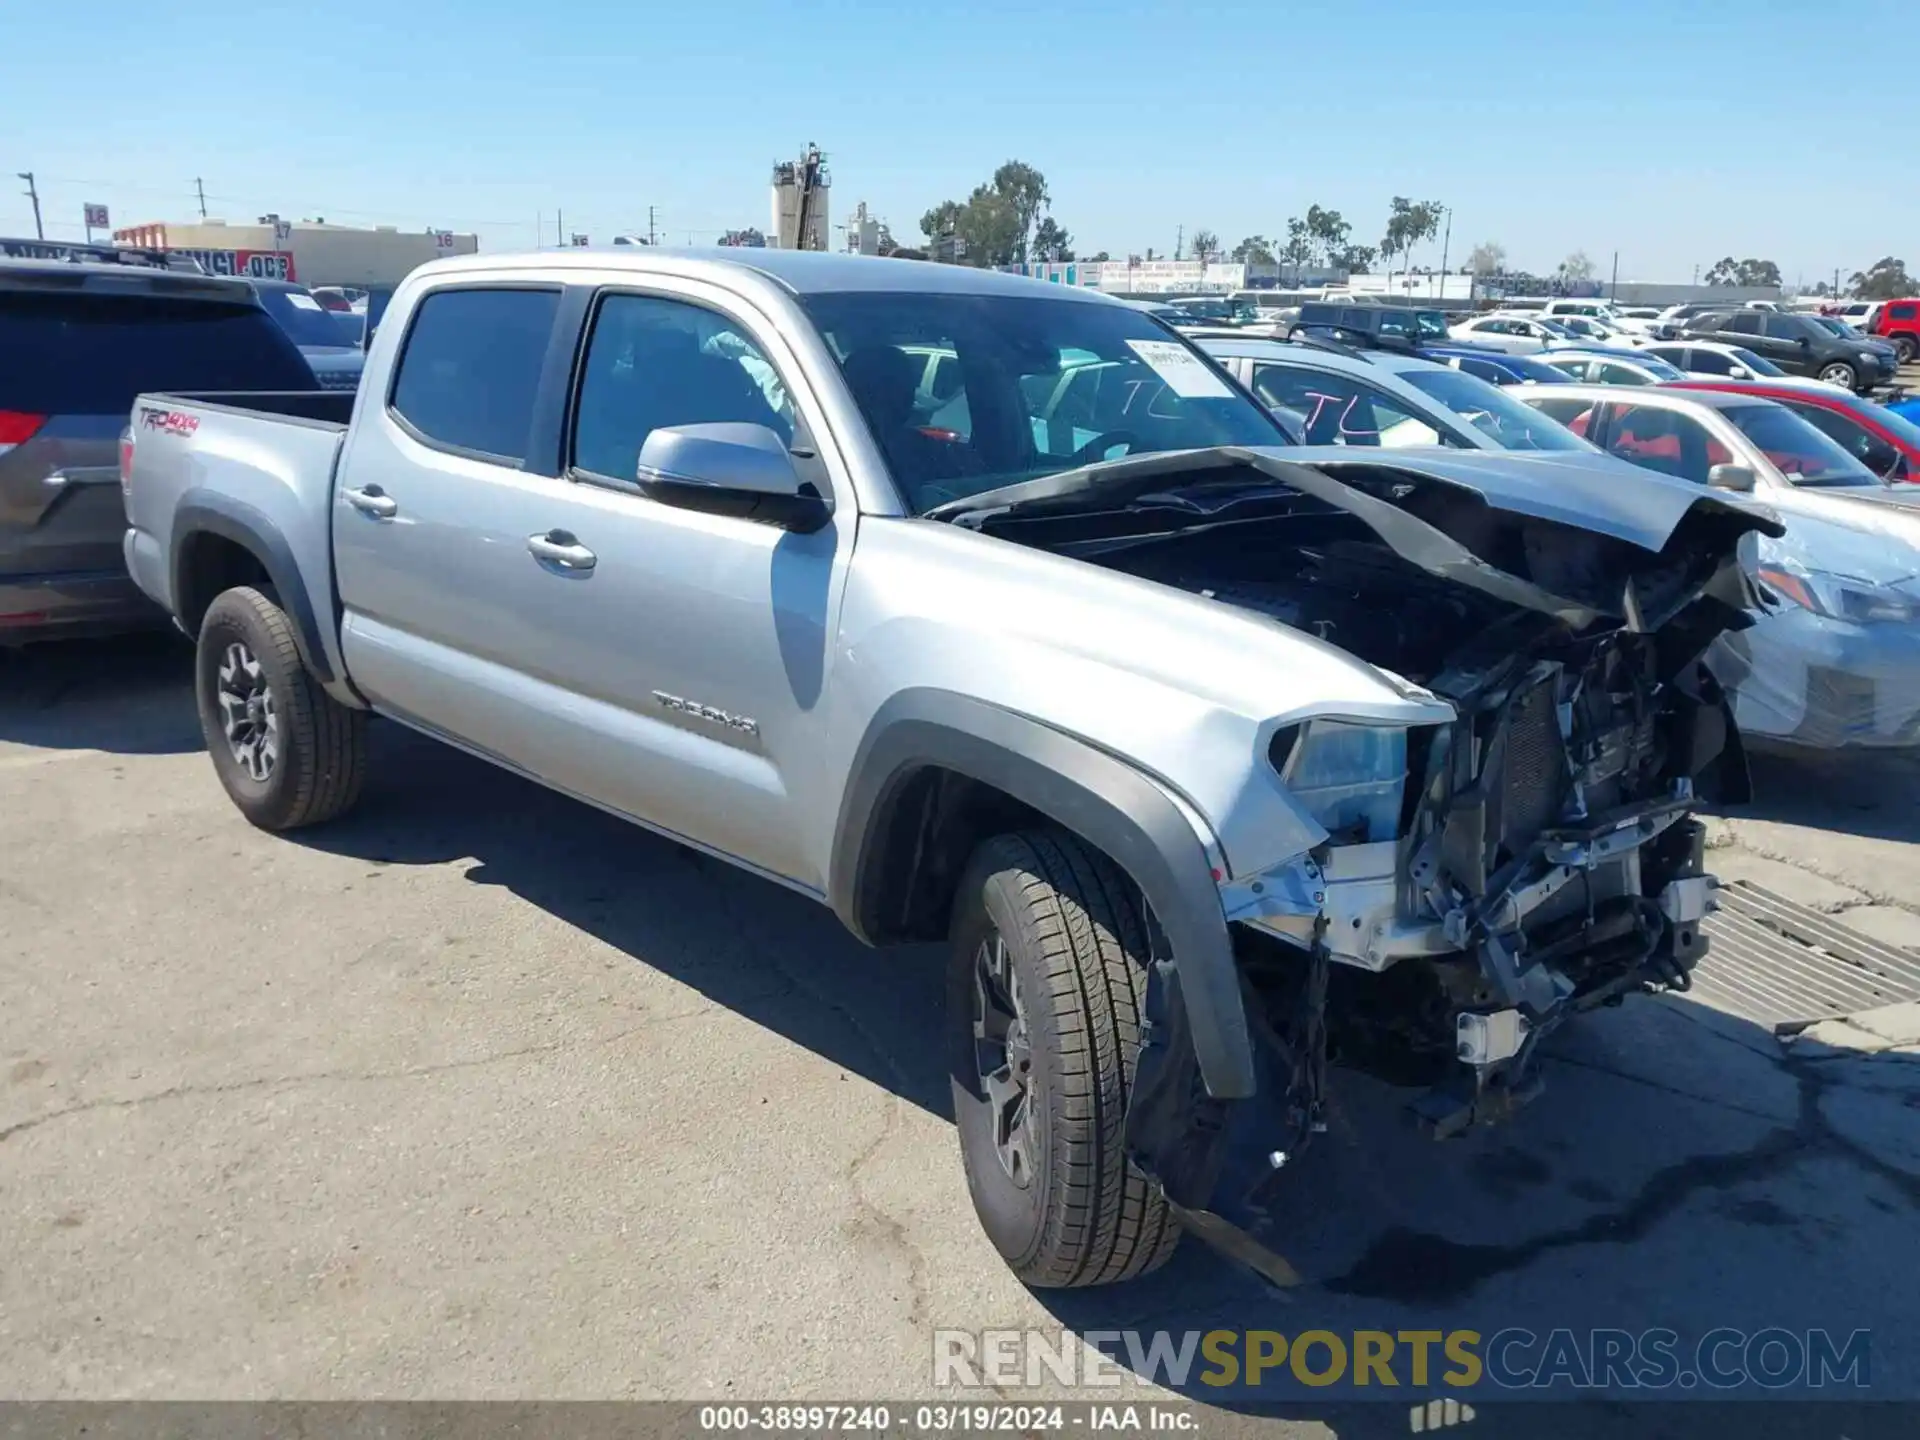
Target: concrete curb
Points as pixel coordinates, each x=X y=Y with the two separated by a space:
x=1892 y=1030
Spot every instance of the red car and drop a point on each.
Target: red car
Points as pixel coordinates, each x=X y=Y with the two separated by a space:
x=1898 y=323
x=1886 y=443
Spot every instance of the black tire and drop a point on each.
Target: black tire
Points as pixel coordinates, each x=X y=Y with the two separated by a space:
x=1831 y=373
x=1076 y=943
x=320 y=749
x=1905 y=347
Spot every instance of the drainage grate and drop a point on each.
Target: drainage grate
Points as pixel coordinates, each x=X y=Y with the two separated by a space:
x=1785 y=966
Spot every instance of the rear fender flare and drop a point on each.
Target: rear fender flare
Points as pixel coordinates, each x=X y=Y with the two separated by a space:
x=207 y=512
x=1130 y=818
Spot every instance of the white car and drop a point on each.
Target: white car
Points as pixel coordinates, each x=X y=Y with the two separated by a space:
x=1514 y=333
x=1623 y=323
x=1834 y=661
x=1593 y=330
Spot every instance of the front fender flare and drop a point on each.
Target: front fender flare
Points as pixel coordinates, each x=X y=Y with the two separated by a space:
x=1126 y=815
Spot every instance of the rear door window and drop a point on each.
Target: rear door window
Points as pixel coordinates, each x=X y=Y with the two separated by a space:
x=1710 y=362
x=1747 y=322
x=1334 y=410
x=471 y=368
x=90 y=354
x=1664 y=440
x=1901 y=312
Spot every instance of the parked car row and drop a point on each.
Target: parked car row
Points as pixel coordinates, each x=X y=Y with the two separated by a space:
x=1837 y=661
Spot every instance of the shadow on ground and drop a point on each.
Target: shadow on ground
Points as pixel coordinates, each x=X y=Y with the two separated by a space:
x=129 y=695
x=776 y=957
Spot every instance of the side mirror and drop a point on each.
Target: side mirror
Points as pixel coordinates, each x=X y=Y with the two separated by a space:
x=1738 y=478
x=1740 y=372
x=730 y=469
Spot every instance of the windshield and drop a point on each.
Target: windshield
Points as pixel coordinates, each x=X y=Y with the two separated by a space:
x=301 y=316
x=1656 y=367
x=1758 y=364
x=1041 y=386
x=1804 y=455
x=1512 y=425
x=1553 y=327
x=1837 y=327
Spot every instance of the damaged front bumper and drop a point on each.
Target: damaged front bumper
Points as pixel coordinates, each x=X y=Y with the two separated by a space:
x=1350 y=901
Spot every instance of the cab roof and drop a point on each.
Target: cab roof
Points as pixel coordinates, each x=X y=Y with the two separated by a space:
x=801 y=272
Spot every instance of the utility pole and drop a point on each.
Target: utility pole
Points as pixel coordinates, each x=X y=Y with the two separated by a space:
x=1179 y=239
x=33 y=194
x=1613 y=290
x=1446 y=248
x=559 y=226
x=650 y=235
x=201 y=191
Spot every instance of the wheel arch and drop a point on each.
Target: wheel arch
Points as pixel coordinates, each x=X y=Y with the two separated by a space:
x=937 y=771
x=208 y=530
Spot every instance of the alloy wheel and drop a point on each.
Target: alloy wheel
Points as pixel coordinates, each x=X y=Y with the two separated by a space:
x=247 y=713
x=1003 y=1055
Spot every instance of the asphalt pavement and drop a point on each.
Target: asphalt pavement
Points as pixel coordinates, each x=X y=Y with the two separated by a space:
x=482 y=1093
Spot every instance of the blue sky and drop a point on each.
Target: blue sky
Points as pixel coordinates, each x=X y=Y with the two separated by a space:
x=1672 y=131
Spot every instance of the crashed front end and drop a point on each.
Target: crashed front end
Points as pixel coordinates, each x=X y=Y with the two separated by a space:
x=1492 y=876
x=1477 y=880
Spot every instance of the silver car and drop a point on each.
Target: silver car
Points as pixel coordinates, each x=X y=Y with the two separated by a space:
x=1836 y=661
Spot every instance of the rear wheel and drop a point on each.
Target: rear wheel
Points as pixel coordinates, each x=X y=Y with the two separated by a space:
x=1046 y=991
x=287 y=753
x=1840 y=373
x=1905 y=347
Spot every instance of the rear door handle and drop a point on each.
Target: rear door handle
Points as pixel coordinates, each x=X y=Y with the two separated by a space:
x=372 y=500
x=559 y=547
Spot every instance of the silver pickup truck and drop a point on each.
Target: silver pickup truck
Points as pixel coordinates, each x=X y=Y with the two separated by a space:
x=989 y=612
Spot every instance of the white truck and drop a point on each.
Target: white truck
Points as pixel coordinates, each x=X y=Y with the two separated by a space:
x=992 y=612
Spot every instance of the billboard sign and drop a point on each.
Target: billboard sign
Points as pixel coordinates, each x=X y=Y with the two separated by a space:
x=96 y=216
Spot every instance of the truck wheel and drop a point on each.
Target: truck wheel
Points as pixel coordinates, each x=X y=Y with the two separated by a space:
x=1905 y=347
x=288 y=753
x=1046 y=988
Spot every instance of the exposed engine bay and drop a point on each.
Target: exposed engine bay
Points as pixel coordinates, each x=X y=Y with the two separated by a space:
x=1480 y=881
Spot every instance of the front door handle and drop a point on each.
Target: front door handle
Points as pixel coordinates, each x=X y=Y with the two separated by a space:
x=372 y=500
x=559 y=547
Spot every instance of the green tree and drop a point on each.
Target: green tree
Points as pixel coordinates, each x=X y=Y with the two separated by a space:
x=1729 y=271
x=1355 y=259
x=1205 y=246
x=1050 y=242
x=1408 y=223
x=1254 y=250
x=996 y=224
x=1099 y=257
x=1299 y=247
x=1328 y=232
x=1885 y=279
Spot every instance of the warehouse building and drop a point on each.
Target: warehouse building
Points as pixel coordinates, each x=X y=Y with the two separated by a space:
x=309 y=251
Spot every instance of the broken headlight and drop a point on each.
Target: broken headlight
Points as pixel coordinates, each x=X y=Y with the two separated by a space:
x=1348 y=776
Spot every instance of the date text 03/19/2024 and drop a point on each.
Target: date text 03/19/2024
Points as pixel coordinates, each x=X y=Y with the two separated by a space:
x=946 y=1418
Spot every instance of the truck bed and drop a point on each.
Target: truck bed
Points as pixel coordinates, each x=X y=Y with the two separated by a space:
x=246 y=467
